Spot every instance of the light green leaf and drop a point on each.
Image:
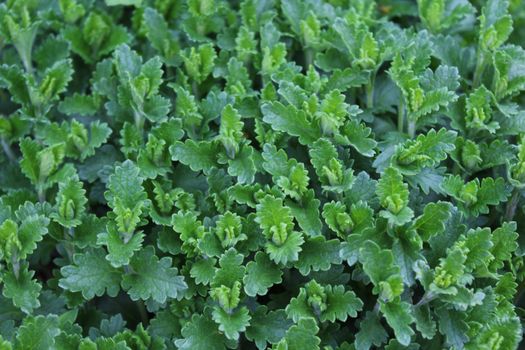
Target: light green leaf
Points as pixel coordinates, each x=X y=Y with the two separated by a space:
x=199 y=156
x=398 y=315
x=357 y=135
x=318 y=254
x=91 y=274
x=201 y=333
x=119 y=251
x=232 y=323
x=302 y=336
x=261 y=274
x=292 y=121
x=432 y=221
x=22 y=289
x=371 y=332
x=152 y=278
x=37 y=333
x=70 y=203
x=267 y=326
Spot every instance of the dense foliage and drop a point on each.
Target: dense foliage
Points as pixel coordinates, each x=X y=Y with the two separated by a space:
x=287 y=175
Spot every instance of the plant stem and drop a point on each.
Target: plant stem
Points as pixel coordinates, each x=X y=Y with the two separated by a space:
x=16 y=265
x=427 y=298
x=480 y=68
x=139 y=120
x=70 y=250
x=195 y=89
x=376 y=308
x=401 y=114
x=411 y=127
x=28 y=65
x=370 y=92
x=41 y=194
x=308 y=58
x=68 y=245
x=519 y=292
x=143 y=312
x=512 y=205
x=8 y=151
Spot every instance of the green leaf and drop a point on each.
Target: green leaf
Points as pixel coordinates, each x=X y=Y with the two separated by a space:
x=85 y=235
x=91 y=274
x=288 y=251
x=393 y=196
x=307 y=213
x=276 y=162
x=85 y=105
x=495 y=24
x=380 y=267
x=509 y=79
x=273 y=216
x=199 y=61
x=199 y=156
x=506 y=332
x=126 y=196
x=478 y=246
x=441 y=15
x=160 y=36
x=232 y=323
x=230 y=130
x=341 y=304
x=267 y=326
x=13 y=78
x=37 y=333
x=71 y=202
x=440 y=87
x=203 y=270
x=478 y=108
x=391 y=190
x=31 y=230
x=338 y=220
x=201 y=333
x=357 y=135
x=135 y=3
x=399 y=316
x=320 y=152
x=371 y=332
x=329 y=169
x=318 y=254
x=325 y=302
x=243 y=166
x=152 y=278
x=347 y=78
x=425 y=151
x=55 y=80
x=451 y=268
x=475 y=196
x=491 y=192
x=292 y=121
x=432 y=221
x=119 y=251
x=231 y=269
x=503 y=244
x=424 y=321
x=22 y=289
x=453 y=326
x=261 y=274
x=39 y=164
x=302 y=336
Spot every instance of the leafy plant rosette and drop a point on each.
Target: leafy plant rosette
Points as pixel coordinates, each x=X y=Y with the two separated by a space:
x=287 y=175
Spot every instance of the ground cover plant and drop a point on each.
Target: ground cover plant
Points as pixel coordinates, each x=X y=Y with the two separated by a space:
x=288 y=175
